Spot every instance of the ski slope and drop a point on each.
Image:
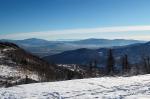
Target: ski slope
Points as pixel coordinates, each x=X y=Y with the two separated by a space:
x=136 y=87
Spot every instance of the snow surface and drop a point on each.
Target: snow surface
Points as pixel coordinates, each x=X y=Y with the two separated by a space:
x=136 y=87
x=7 y=71
x=1 y=54
x=13 y=70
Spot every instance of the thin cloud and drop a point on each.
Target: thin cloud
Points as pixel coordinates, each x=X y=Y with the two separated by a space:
x=62 y=34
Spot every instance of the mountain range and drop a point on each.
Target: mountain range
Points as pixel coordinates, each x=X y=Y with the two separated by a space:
x=135 y=52
x=44 y=48
x=15 y=62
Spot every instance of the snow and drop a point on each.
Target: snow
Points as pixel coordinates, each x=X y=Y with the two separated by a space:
x=7 y=71
x=72 y=67
x=100 y=53
x=1 y=55
x=8 y=49
x=13 y=70
x=4 y=50
x=136 y=87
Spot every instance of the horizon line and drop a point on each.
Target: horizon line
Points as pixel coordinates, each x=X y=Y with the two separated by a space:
x=67 y=33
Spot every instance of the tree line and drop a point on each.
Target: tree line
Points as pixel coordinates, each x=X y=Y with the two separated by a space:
x=125 y=67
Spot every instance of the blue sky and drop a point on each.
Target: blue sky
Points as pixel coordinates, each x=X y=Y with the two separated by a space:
x=50 y=19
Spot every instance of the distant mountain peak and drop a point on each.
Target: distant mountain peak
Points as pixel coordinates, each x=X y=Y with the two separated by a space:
x=34 y=39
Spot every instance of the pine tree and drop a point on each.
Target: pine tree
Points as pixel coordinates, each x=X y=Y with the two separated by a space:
x=110 y=62
x=95 y=64
x=147 y=64
x=125 y=64
x=90 y=66
x=26 y=80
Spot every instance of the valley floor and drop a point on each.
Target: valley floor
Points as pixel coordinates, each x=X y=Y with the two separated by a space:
x=136 y=87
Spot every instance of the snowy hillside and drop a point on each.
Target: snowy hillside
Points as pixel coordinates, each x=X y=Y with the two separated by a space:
x=18 y=66
x=11 y=71
x=7 y=72
x=136 y=87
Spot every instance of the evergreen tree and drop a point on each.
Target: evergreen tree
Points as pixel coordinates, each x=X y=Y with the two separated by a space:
x=110 y=62
x=146 y=64
x=90 y=66
x=95 y=64
x=125 y=64
x=26 y=80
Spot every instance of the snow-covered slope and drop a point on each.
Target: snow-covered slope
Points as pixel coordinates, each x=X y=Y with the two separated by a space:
x=136 y=87
x=12 y=71
x=16 y=72
x=18 y=66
